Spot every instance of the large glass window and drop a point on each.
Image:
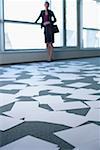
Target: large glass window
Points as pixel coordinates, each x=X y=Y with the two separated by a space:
x=23 y=36
x=57 y=7
x=20 y=33
x=22 y=10
x=28 y=36
x=71 y=22
x=91 y=23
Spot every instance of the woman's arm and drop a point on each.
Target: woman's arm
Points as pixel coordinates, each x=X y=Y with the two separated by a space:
x=39 y=17
x=54 y=18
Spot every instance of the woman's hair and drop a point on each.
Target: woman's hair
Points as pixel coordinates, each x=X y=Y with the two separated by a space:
x=47 y=3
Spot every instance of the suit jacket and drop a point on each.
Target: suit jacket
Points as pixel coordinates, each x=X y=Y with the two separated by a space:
x=52 y=17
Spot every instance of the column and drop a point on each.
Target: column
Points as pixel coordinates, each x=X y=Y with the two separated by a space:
x=1 y=26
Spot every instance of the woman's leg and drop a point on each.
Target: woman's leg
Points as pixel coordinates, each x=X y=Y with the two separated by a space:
x=49 y=39
x=50 y=51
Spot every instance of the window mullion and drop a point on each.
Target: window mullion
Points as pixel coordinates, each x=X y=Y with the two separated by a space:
x=1 y=25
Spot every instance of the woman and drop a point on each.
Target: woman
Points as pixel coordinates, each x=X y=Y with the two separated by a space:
x=48 y=19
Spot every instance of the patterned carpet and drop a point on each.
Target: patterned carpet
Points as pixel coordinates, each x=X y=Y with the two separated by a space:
x=50 y=106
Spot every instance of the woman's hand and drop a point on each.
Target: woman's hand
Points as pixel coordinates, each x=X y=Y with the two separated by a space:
x=46 y=23
x=35 y=22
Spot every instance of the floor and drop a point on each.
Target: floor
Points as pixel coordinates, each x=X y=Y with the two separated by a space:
x=50 y=106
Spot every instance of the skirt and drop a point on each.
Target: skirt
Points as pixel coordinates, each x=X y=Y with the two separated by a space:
x=48 y=34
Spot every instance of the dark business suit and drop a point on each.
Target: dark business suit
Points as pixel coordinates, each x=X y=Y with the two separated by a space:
x=48 y=29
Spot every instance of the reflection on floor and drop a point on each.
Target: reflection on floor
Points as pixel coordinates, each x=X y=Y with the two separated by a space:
x=50 y=106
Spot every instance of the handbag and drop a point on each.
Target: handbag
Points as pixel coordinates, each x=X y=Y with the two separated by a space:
x=55 y=29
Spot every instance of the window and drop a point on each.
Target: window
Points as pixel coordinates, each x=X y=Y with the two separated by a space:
x=71 y=22
x=28 y=36
x=57 y=7
x=91 y=38
x=22 y=10
x=23 y=36
x=91 y=23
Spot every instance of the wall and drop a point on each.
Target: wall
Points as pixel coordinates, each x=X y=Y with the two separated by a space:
x=32 y=56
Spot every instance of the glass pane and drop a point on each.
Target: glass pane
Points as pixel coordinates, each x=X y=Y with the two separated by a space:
x=23 y=10
x=23 y=36
x=91 y=11
x=29 y=10
x=91 y=23
x=91 y=38
x=71 y=18
x=57 y=7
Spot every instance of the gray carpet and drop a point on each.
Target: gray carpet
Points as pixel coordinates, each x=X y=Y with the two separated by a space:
x=50 y=106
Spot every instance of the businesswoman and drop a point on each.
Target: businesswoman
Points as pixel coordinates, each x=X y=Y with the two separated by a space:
x=48 y=19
